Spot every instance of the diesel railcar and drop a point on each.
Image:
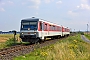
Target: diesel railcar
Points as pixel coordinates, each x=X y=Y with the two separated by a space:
x=35 y=29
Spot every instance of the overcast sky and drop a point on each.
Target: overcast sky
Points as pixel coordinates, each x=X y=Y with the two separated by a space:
x=74 y=14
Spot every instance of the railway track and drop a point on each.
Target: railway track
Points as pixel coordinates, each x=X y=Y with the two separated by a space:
x=9 y=53
x=14 y=51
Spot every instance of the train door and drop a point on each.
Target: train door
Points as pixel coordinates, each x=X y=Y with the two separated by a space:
x=42 y=34
x=42 y=30
x=62 y=30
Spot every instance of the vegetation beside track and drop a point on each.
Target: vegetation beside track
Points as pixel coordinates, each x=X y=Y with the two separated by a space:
x=7 y=40
x=5 y=37
x=71 y=48
x=2 y=45
x=87 y=35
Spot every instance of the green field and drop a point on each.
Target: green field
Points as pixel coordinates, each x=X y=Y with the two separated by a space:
x=71 y=48
x=88 y=36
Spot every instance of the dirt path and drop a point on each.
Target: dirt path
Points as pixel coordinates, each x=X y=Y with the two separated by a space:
x=85 y=39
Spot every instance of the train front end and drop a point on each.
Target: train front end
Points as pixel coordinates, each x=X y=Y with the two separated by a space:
x=29 y=30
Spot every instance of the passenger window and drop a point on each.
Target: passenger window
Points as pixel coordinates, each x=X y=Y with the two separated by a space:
x=49 y=27
x=53 y=27
x=45 y=26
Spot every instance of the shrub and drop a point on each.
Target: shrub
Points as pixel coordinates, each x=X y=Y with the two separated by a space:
x=10 y=42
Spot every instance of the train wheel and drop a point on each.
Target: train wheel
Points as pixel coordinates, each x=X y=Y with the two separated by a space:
x=59 y=37
x=43 y=40
x=30 y=43
x=37 y=40
x=52 y=38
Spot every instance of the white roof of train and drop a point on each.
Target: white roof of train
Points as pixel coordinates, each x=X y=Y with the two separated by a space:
x=51 y=23
x=44 y=21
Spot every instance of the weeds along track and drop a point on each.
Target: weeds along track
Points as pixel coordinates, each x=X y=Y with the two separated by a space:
x=14 y=51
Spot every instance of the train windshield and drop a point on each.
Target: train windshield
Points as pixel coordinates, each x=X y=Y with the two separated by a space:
x=29 y=25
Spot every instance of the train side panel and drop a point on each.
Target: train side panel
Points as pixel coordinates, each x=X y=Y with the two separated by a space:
x=48 y=30
x=65 y=31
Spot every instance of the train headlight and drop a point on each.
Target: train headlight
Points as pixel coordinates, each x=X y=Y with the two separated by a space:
x=21 y=33
x=35 y=33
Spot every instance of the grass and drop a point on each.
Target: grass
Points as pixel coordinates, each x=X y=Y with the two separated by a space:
x=6 y=35
x=88 y=36
x=72 y=48
x=2 y=45
x=6 y=39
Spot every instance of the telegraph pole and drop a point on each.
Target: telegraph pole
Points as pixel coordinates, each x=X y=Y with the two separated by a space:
x=14 y=32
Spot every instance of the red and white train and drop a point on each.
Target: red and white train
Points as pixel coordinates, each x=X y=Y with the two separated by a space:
x=35 y=29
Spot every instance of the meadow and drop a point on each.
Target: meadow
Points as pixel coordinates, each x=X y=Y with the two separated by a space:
x=71 y=48
x=5 y=37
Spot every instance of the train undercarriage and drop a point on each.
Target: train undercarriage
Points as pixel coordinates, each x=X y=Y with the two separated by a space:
x=30 y=38
x=34 y=39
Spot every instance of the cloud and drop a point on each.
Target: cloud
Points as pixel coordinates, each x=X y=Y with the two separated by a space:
x=84 y=6
x=2 y=9
x=23 y=3
x=72 y=13
x=59 y=2
x=48 y=1
x=2 y=3
x=78 y=6
x=36 y=4
x=35 y=7
x=6 y=3
x=10 y=2
x=84 y=1
x=36 y=13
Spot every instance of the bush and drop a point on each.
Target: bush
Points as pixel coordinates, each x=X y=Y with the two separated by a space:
x=10 y=42
x=80 y=32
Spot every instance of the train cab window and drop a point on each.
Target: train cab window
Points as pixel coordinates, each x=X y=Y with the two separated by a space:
x=40 y=25
x=31 y=25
